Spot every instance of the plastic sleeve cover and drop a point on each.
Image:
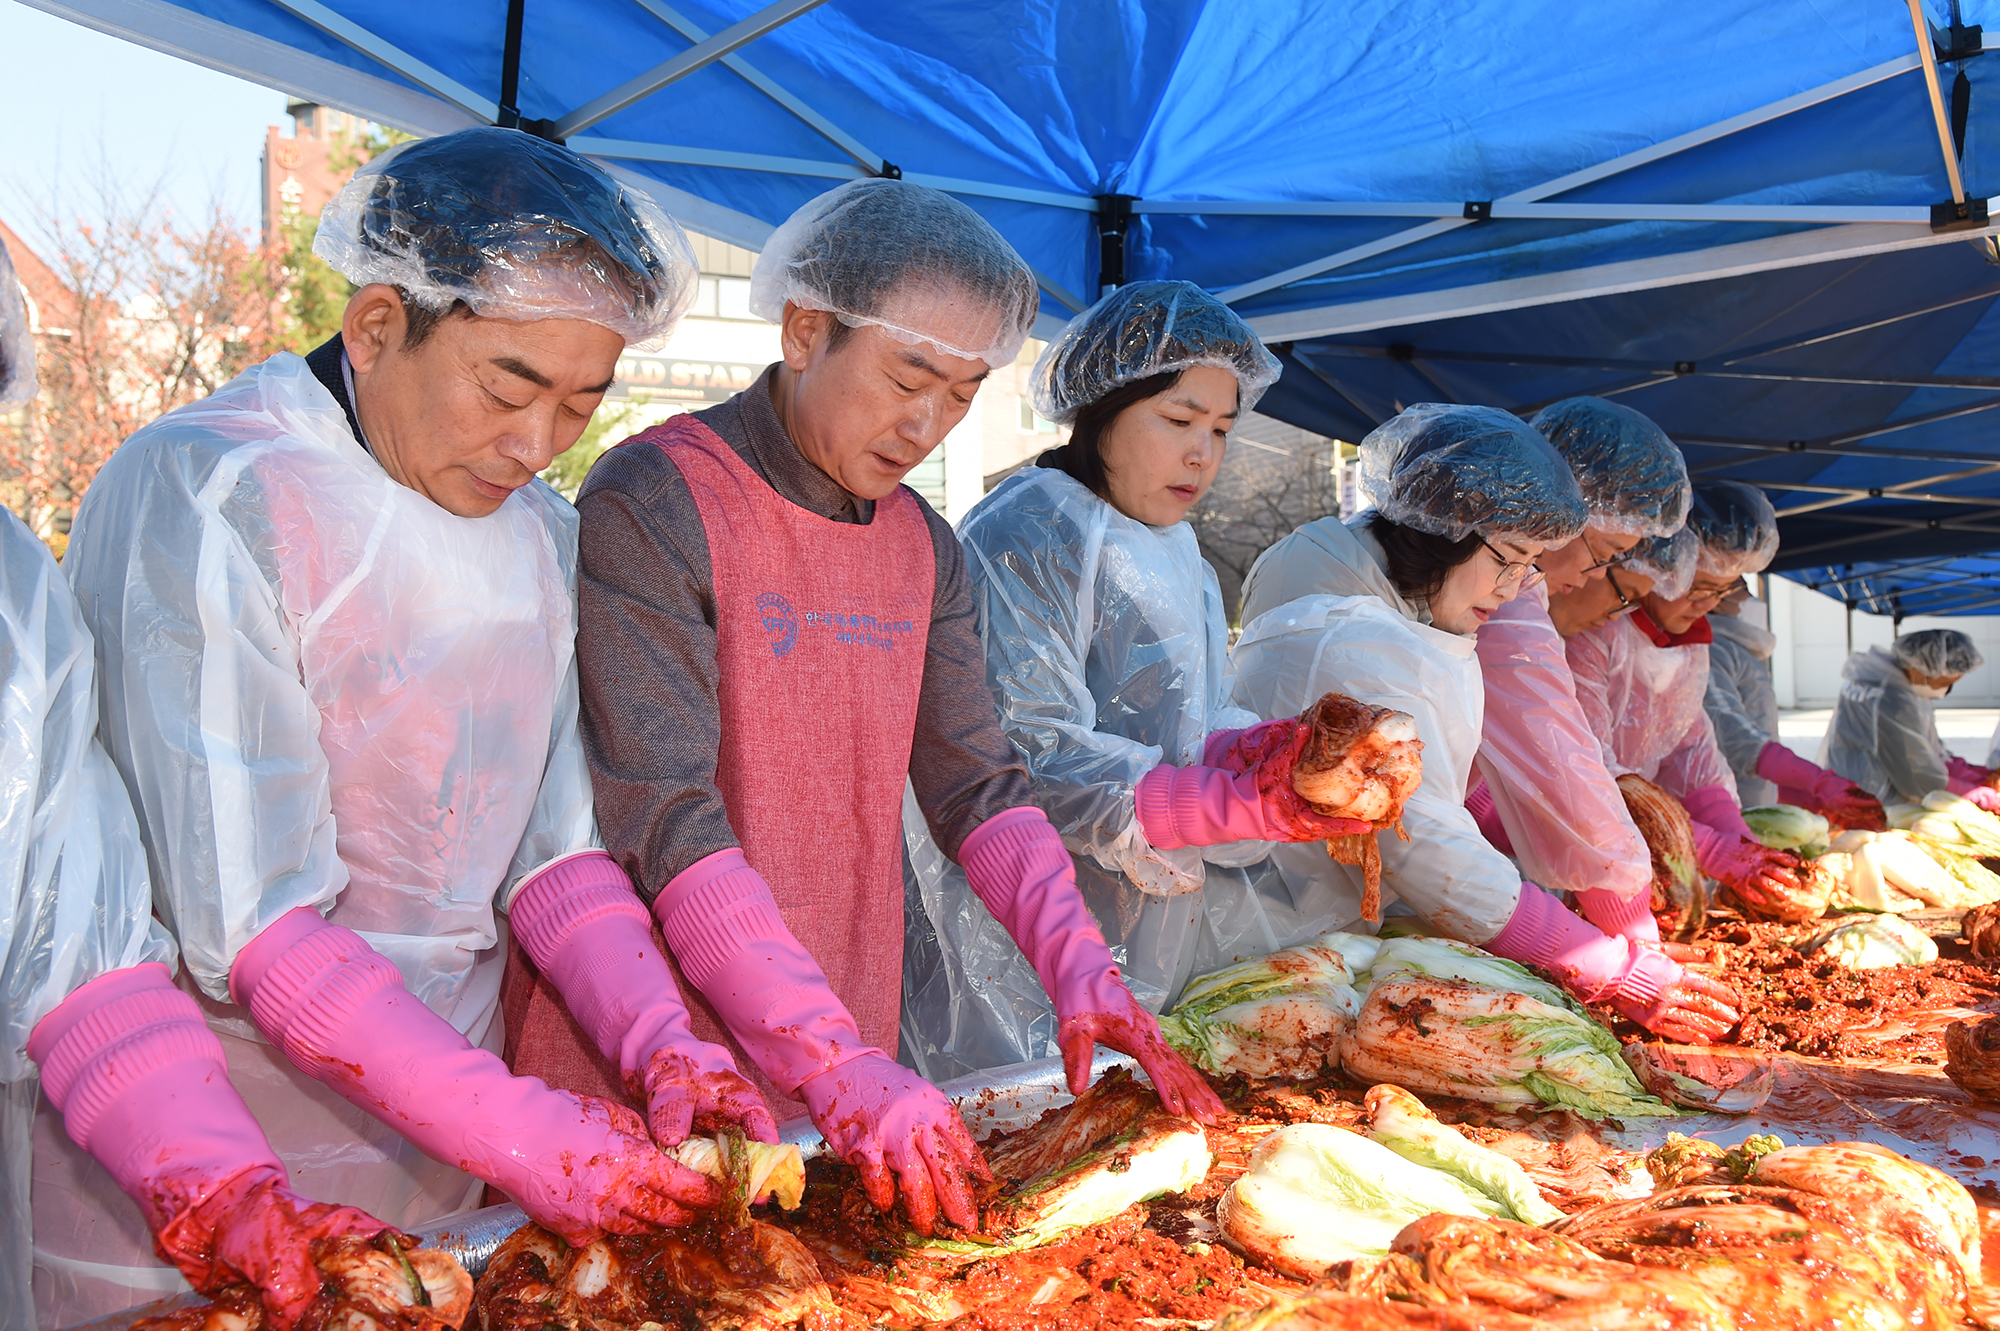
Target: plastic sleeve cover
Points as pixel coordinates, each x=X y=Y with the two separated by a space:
x=1545 y=771
x=1739 y=731
x=1072 y=657
x=78 y=903
x=1447 y=871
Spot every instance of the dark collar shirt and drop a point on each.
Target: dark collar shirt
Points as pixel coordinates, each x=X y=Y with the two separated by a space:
x=646 y=655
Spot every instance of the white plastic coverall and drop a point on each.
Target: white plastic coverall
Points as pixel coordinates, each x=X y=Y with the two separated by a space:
x=1644 y=702
x=1107 y=653
x=75 y=902
x=1883 y=737
x=1345 y=627
x=1543 y=765
x=324 y=690
x=1742 y=701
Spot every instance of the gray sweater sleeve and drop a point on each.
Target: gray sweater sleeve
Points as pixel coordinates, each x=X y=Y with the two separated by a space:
x=646 y=655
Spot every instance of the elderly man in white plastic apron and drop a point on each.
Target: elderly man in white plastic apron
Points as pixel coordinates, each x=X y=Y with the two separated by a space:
x=335 y=615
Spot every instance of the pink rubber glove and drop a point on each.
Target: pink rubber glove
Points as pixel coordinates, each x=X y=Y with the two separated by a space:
x=1263 y=756
x=1985 y=797
x=1643 y=983
x=1017 y=864
x=142 y=1085
x=1972 y=774
x=1208 y=806
x=1718 y=807
x=585 y=929
x=723 y=925
x=1621 y=917
x=1486 y=814
x=579 y=1165
x=1746 y=866
x=1813 y=787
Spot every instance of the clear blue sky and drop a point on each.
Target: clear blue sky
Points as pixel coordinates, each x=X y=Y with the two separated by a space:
x=68 y=93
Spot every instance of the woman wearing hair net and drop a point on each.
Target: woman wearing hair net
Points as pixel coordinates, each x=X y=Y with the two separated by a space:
x=1544 y=795
x=76 y=907
x=778 y=637
x=1385 y=607
x=1742 y=704
x=1883 y=734
x=335 y=616
x=1106 y=649
x=1641 y=678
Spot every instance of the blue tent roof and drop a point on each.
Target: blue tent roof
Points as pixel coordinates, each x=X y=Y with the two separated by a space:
x=1356 y=179
x=1327 y=168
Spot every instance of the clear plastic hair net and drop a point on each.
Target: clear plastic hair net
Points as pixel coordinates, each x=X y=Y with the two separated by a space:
x=1633 y=477
x=1668 y=560
x=1143 y=329
x=1937 y=652
x=1737 y=527
x=17 y=342
x=1452 y=470
x=915 y=263
x=517 y=228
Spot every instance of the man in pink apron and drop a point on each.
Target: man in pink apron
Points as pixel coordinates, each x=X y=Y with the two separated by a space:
x=776 y=635
x=334 y=612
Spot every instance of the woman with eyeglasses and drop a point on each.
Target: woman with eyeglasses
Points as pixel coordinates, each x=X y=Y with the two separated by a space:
x=1384 y=607
x=1546 y=797
x=1642 y=676
x=1106 y=650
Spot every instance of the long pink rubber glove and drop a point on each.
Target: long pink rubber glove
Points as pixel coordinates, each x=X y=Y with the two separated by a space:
x=1823 y=792
x=1725 y=850
x=1641 y=982
x=1972 y=774
x=1985 y=797
x=723 y=925
x=1621 y=917
x=338 y=1008
x=1017 y=864
x=586 y=930
x=142 y=1085
x=1486 y=814
x=1255 y=767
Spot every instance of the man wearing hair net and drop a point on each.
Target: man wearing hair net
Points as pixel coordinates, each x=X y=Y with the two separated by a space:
x=334 y=611
x=1883 y=734
x=1545 y=796
x=1642 y=676
x=75 y=903
x=1328 y=608
x=777 y=635
x=1742 y=704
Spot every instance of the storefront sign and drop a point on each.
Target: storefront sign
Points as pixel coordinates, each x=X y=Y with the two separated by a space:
x=646 y=378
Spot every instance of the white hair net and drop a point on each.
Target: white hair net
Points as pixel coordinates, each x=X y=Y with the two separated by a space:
x=1668 y=560
x=1737 y=527
x=1937 y=652
x=517 y=228
x=1453 y=470
x=1143 y=329
x=17 y=342
x=915 y=263
x=1631 y=474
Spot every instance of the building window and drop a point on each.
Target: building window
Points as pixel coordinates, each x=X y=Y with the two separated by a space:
x=927 y=479
x=732 y=298
x=1032 y=423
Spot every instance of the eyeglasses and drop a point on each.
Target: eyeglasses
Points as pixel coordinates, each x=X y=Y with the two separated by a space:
x=1514 y=571
x=1712 y=595
x=1625 y=603
x=1591 y=550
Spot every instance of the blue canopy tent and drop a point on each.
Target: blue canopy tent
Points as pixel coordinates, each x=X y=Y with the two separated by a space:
x=1354 y=178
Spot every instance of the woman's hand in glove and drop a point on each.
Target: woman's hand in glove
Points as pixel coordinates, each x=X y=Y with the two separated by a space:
x=1848 y=805
x=1690 y=1008
x=898 y=1131
x=1097 y=1009
x=684 y=1093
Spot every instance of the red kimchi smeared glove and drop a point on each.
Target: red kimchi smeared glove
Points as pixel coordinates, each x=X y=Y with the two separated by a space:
x=1749 y=868
x=586 y=930
x=881 y=1117
x=1262 y=758
x=724 y=927
x=1643 y=983
x=1017 y=864
x=1971 y=774
x=1813 y=787
x=1207 y=806
x=142 y=1085
x=579 y=1165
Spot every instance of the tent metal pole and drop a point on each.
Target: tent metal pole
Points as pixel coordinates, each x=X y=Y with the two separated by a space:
x=697 y=57
x=1938 y=113
x=393 y=57
x=868 y=159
